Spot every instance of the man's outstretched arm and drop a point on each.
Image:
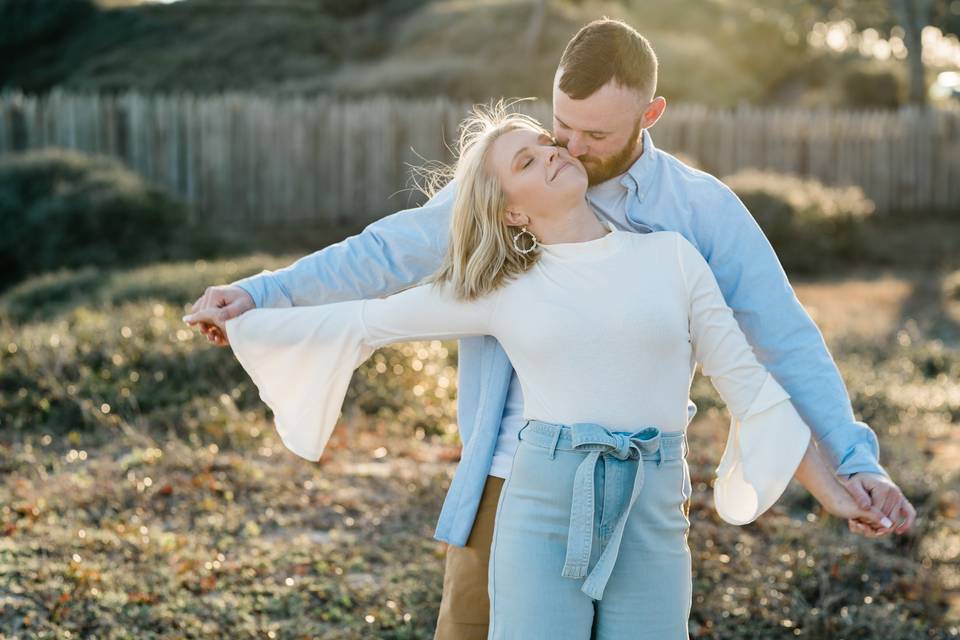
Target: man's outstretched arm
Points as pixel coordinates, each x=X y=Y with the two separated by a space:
x=389 y=255
x=786 y=340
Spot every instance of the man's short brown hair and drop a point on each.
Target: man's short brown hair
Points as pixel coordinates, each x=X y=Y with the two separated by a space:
x=606 y=49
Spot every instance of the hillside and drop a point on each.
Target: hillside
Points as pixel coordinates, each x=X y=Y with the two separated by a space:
x=464 y=49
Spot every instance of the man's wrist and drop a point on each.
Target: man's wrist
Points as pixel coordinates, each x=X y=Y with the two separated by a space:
x=248 y=287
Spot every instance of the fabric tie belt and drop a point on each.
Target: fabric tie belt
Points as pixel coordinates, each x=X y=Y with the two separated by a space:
x=597 y=442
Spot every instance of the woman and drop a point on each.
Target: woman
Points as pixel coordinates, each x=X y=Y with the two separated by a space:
x=604 y=329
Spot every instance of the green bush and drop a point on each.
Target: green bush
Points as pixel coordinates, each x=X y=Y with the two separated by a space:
x=38 y=22
x=871 y=89
x=61 y=208
x=94 y=350
x=811 y=226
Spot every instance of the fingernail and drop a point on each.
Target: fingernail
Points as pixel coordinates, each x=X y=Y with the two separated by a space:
x=186 y=318
x=886 y=522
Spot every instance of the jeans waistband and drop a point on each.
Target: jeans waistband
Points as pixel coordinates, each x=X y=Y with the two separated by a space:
x=580 y=437
x=596 y=442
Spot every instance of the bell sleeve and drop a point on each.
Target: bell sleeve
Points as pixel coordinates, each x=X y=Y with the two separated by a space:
x=767 y=438
x=301 y=359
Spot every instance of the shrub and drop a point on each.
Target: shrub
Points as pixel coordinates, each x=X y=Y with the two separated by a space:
x=810 y=225
x=72 y=342
x=871 y=89
x=61 y=208
x=39 y=22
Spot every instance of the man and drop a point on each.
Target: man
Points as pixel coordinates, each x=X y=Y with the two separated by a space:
x=604 y=103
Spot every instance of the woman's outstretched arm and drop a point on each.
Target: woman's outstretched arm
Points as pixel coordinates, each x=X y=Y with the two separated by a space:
x=302 y=358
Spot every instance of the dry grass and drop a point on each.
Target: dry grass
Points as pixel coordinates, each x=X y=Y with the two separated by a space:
x=177 y=513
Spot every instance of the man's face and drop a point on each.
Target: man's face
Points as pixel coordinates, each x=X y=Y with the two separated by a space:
x=603 y=130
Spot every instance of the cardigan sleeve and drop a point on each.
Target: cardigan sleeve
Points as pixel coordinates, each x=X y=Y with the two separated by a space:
x=767 y=438
x=301 y=359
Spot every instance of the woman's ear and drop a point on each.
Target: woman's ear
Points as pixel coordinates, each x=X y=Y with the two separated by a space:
x=516 y=219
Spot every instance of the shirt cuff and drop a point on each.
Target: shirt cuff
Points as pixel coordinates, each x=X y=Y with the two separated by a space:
x=861 y=453
x=256 y=286
x=860 y=460
x=764 y=448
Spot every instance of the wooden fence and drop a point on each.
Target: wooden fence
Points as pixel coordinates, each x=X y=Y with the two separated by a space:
x=252 y=159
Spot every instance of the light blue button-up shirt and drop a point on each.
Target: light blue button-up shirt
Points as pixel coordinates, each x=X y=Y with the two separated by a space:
x=400 y=250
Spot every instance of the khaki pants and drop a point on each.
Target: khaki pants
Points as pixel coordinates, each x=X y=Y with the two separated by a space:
x=465 y=604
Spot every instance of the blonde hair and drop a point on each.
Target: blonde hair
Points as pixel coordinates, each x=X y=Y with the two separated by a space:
x=480 y=254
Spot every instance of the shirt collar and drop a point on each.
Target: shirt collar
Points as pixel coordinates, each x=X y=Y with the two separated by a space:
x=639 y=177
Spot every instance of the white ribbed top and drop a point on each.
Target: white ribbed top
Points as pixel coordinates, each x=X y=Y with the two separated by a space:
x=605 y=331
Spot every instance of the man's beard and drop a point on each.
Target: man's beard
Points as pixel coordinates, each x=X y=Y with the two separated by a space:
x=618 y=163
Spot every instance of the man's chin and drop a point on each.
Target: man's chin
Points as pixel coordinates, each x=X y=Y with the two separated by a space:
x=594 y=171
x=600 y=174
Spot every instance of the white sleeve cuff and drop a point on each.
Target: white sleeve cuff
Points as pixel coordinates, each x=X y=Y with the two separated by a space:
x=764 y=448
x=301 y=359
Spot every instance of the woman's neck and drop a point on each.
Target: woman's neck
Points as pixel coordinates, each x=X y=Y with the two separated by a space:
x=579 y=224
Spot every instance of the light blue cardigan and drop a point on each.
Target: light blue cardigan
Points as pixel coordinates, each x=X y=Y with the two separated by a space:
x=401 y=249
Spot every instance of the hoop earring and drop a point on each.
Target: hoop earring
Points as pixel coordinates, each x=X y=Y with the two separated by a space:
x=533 y=241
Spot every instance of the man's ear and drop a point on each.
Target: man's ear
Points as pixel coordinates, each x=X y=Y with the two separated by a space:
x=653 y=112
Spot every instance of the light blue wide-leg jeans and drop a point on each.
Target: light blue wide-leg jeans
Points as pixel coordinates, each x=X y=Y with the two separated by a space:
x=585 y=549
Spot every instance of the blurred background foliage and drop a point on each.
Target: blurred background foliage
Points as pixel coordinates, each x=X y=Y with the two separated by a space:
x=143 y=486
x=824 y=52
x=62 y=208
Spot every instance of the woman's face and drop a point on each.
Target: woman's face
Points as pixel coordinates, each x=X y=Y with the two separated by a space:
x=540 y=179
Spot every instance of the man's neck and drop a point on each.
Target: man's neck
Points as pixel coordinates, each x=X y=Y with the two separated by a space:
x=637 y=153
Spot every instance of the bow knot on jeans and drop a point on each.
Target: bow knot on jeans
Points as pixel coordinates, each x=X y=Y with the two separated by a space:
x=599 y=442
x=587 y=436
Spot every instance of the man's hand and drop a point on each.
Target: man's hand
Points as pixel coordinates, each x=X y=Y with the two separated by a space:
x=877 y=490
x=217 y=305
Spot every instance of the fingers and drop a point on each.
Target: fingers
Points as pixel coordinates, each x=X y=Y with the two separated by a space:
x=212 y=297
x=214 y=334
x=887 y=499
x=876 y=519
x=210 y=316
x=233 y=309
x=204 y=300
x=212 y=324
x=863 y=529
x=907 y=514
x=855 y=488
x=857 y=527
x=233 y=299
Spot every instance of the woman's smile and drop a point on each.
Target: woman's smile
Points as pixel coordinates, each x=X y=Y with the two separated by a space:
x=563 y=165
